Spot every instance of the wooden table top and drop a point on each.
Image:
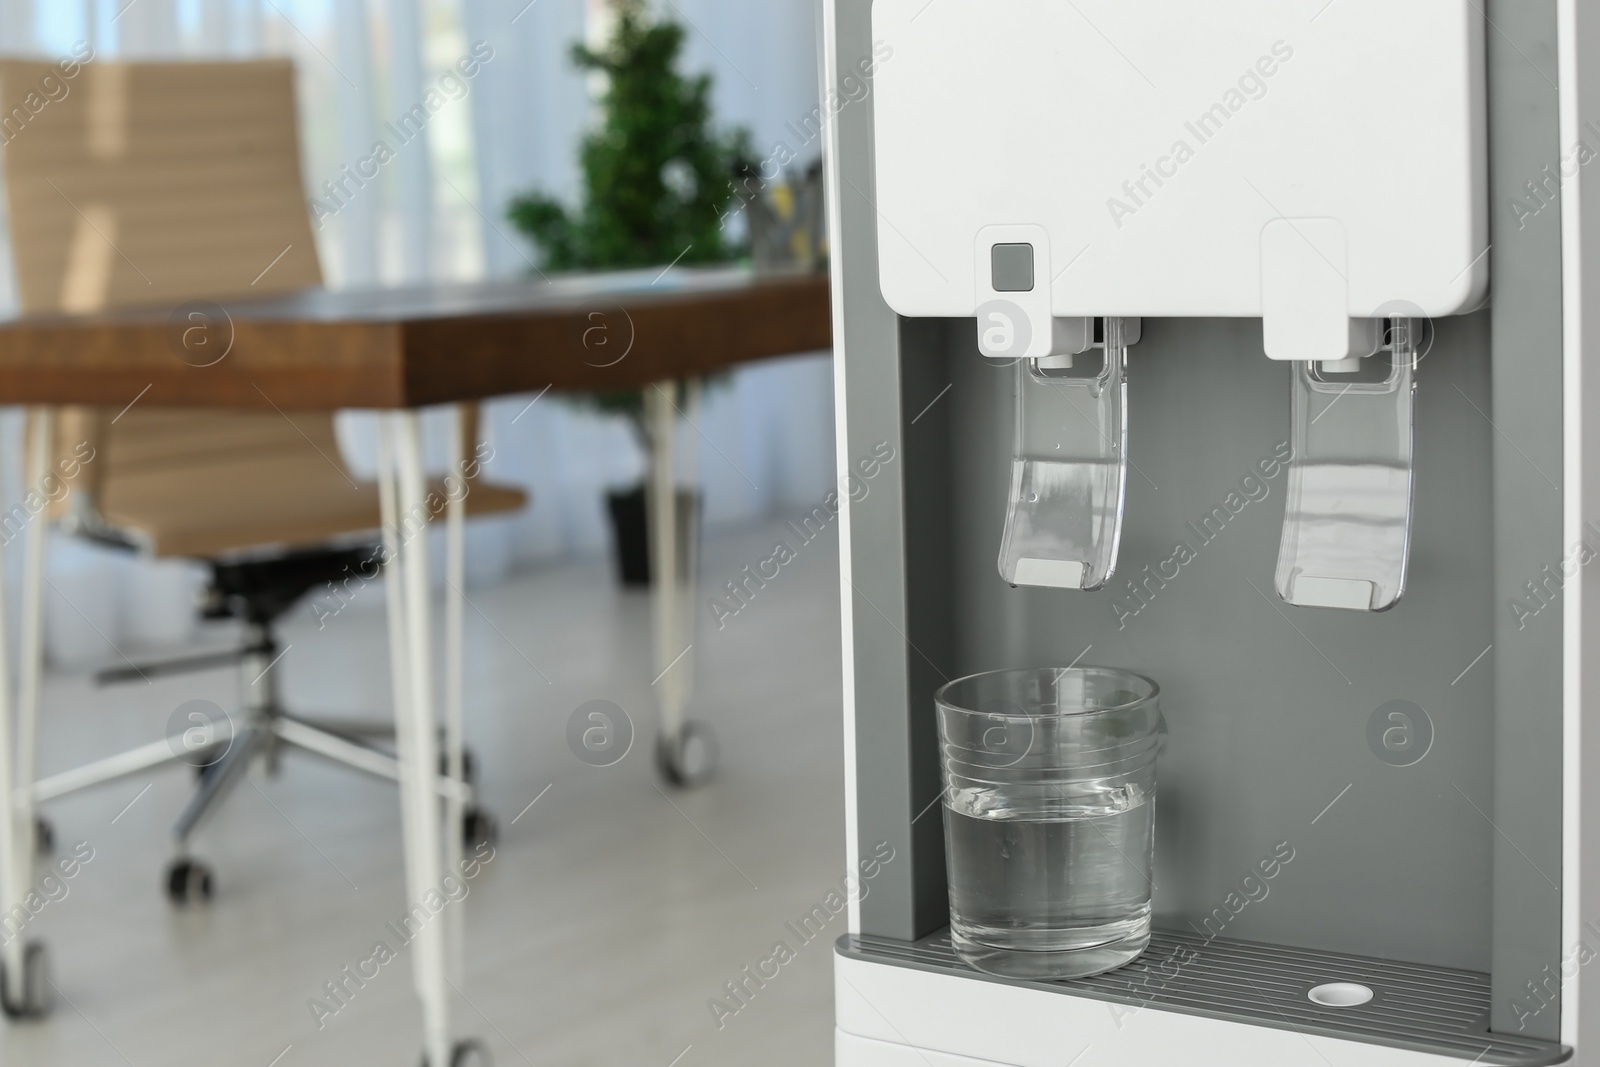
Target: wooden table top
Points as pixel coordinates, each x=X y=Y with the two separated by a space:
x=417 y=345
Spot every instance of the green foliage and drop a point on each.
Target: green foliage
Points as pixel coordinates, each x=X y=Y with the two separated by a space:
x=657 y=177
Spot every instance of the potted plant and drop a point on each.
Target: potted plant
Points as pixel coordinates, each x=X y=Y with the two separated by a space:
x=657 y=180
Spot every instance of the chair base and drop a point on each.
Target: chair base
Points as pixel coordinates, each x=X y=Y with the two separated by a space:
x=266 y=730
x=293 y=732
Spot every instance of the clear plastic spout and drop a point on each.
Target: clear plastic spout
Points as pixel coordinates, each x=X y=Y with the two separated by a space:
x=1069 y=471
x=1347 y=525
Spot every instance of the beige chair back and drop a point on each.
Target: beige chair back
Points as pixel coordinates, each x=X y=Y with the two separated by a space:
x=156 y=184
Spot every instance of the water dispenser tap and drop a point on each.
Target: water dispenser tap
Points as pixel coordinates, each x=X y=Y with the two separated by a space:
x=1347 y=524
x=1069 y=469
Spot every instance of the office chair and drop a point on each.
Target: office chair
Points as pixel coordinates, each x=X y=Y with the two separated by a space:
x=157 y=184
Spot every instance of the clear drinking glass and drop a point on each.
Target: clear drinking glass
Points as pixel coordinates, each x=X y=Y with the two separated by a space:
x=1049 y=813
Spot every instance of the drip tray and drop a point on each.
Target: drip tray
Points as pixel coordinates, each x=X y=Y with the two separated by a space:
x=1402 y=1005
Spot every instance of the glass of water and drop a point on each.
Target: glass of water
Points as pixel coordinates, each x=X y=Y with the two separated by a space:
x=1049 y=813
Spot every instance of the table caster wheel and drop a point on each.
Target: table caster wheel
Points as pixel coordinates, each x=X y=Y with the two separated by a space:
x=688 y=760
x=467 y=1054
x=44 y=837
x=477 y=828
x=188 y=882
x=35 y=997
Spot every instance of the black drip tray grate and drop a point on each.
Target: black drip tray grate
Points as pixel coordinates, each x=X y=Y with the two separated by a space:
x=1426 y=1009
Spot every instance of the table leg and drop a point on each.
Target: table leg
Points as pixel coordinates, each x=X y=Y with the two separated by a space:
x=399 y=677
x=423 y=829
x=457 y=486
x=686 y=752
x=15 y=855
x=661 y=506
x=41 y=431
x=688 y=571
x=23 y=993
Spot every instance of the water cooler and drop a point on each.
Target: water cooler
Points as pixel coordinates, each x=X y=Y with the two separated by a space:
x=1241 y=345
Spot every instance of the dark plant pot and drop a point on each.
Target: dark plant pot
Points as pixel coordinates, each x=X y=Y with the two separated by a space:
x=630 y=532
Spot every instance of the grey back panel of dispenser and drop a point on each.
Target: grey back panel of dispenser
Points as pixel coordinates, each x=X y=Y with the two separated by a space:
x=1270 y=708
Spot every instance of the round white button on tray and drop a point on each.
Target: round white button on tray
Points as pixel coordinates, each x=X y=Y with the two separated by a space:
x=1340 y=995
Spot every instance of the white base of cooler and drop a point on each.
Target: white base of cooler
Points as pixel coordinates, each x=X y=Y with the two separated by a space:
x=852 y=1051
x=891 y=1016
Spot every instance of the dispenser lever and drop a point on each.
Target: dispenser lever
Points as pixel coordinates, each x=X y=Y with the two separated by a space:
x=1347 y=524
x=1069 y=471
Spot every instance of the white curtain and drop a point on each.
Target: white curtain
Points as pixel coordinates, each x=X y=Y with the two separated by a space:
x=437 y=211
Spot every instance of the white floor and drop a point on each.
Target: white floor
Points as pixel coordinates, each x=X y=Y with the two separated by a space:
x=611 y=914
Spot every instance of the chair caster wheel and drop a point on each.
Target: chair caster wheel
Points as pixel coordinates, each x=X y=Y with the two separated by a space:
x=467 y=1054
x=188 y=882
x=35 y=997
x=689 y=760
x=477 y=828
x=44 y=837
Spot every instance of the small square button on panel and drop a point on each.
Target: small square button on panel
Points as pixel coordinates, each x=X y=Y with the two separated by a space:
x=1012 y=268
